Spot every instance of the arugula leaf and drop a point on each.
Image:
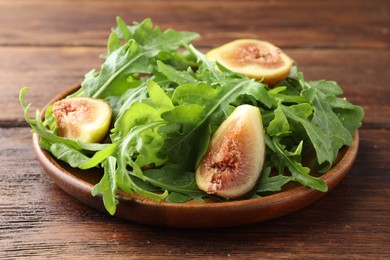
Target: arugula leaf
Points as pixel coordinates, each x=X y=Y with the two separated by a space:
x=351 y=118
x=98 y=157
x=321 y=142
x=108 y=186
x=269 y=183
x=180 y=183
x=125 y=32
x=159 y=99
x=136 y=130
x=179 y=77
x=207 y=70
x=118 y=66
x=324 y=102
x=298 y=171
x=142 y=44
x=328 y=121
x=154 y=40
x=117 y=176
x=113 y=43
x=184 y=129
x=69 y=155
x=132 y=95
x=279 y=126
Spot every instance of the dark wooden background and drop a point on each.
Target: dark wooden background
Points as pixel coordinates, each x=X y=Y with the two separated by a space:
x=49 y=45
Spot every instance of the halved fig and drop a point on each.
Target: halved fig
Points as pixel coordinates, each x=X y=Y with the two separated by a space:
x=82 y=118
x=256 y=59
x=234 y=158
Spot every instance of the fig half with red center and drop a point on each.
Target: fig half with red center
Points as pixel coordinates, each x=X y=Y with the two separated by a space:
x=256 y=59
x=82 y=118
x=234 y=159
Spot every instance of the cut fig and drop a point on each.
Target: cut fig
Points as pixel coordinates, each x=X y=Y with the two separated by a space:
x=82 y=118
x=256 y=59
x=234 y=158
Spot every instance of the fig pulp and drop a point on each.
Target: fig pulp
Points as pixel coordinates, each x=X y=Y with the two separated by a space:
x=234 y=158
x=256 y=59
x=82 y=118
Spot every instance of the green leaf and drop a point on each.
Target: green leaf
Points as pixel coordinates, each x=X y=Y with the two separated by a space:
x=327 y=120
x=142 y=44
x=325 y=86
x=269 y=183
x=322 y=96
x=154 y=40
x=158 y=97
x=175 y=180
x=208 y=69
x=130 y=183
x=179 y=77
x=113 y=43
x=321 y=142
x=138 y=114
x=183 y=120
x=175 y=197
x=99 y=157
x=108 y=186
x=136 y=131
x=351 y=118
x=131 y=96
x=118 y=66
x=298 y=171
x=185 y=114
x=69 y=155
x=49 y=121
x=137 y=127
x=200 y=94
x=279 y=126
x=123 y=30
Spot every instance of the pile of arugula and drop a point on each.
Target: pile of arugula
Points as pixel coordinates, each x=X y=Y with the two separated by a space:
x=167 y=101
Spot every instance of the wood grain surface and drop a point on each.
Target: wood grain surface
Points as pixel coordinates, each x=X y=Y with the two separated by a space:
x=49 y=45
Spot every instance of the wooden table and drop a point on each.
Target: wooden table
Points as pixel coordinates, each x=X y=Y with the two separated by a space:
x=49 y=45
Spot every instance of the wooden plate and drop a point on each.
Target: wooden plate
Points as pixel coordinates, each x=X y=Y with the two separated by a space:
x=192 y=214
